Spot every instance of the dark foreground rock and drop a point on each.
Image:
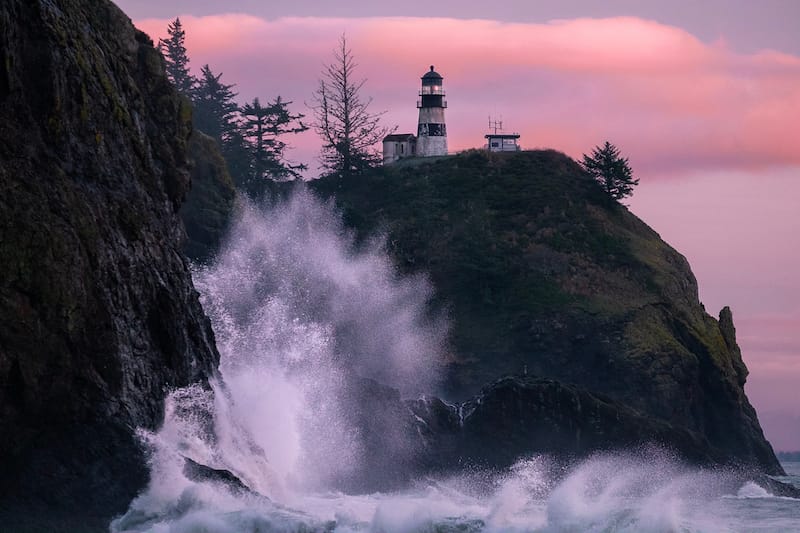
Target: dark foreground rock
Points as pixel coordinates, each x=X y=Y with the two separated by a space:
x=203 y=473
x=98 y=314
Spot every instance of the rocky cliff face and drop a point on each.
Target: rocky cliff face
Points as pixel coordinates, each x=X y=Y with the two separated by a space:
x=98 y=315
x=543 y=274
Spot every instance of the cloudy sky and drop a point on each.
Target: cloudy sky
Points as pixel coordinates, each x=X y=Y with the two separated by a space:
x=703 y=97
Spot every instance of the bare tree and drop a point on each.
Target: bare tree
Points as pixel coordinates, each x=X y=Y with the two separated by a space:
x=349 y=131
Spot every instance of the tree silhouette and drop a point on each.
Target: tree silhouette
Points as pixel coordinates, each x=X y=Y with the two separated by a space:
x=349 y=131
x=263 y=128
x=610 y=170
x=176 y=59
x=214 y=108
x=217 y=114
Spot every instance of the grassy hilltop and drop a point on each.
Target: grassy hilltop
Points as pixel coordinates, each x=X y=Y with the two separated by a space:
x=540 y=271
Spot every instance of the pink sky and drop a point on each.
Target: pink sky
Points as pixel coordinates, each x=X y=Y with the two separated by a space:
x=713 y=133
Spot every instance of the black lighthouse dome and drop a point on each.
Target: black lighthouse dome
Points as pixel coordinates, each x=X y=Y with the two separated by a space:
x=431 y=76
x=432 y=85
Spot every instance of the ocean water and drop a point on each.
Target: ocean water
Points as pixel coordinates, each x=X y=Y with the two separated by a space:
x=603 y=494
x=297 y=309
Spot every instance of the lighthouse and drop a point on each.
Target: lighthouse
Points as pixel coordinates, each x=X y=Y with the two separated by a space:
x=431 y=129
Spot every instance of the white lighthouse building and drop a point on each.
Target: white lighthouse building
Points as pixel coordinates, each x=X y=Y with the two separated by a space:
x=431 y=129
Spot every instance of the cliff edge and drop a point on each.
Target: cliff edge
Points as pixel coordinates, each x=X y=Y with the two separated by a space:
x=98 y=314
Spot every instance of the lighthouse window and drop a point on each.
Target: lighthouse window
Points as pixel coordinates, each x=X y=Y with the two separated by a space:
x=432 y=129
x=436 y=130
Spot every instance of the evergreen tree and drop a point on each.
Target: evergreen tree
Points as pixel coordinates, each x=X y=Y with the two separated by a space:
x=610 y=170
x=263 y=127
x=176 y=59
x=214 y=108
x=348 y=129
x=217 y=115
x=236 y=151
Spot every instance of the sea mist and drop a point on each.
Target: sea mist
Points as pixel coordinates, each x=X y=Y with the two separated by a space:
x=311 y=330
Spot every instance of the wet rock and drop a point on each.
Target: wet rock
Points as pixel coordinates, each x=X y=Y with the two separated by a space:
x=514 y=418
x=202 y=473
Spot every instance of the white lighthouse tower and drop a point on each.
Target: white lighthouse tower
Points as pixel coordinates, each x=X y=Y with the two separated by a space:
x=431 y=129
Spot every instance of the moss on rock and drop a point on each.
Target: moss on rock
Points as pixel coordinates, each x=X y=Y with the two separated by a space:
x=541 y=271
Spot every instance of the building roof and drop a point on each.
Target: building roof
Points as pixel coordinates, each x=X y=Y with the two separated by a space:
x=431 y=74
x=501 y=136
x=400 y=137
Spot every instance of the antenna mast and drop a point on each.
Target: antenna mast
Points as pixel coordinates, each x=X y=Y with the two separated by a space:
x=496 y=125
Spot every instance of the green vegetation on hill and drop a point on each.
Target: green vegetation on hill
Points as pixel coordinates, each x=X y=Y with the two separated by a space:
x=507 y=240
x=541 y=271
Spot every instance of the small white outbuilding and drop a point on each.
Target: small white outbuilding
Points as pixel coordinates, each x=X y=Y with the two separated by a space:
x=397 y=146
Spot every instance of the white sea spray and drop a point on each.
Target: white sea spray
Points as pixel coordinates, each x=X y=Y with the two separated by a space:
x=297 y=309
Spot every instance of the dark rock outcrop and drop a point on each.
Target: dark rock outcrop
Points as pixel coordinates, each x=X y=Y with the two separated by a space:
x=540 y=271
x=98 y=314
x=518 y=414
x=515 y=418
x=205 y=474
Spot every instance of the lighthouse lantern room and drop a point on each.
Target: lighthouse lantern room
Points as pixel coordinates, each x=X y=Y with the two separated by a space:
x=431 y=129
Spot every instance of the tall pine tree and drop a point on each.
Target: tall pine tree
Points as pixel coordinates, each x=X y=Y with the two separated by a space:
x=176 y=59
x=263 y=127
x=214 y=108
x=217 y=115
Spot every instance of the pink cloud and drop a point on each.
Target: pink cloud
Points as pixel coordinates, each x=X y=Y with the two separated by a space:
x=671 y=101
x=776 y=337
x=722 y=125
